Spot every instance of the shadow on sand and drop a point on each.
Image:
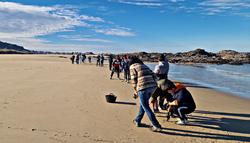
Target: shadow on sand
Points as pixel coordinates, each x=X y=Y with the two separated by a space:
x=124 y=103
x=223 y=113
x=228 y=125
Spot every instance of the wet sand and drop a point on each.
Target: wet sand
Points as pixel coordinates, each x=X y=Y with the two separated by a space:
x=46 y=99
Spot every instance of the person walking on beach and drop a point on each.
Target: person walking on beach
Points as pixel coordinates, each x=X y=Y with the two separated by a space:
x=83 y=58
x=80 y=58
x=89 y=58
x=116 y=67
x=142 y=79
x=73 y=58
x=161 y=71
x=98 y=60
x=110 y=61
x=183 y=102
x=102 y=60
x=125 y=67
x=77 y=58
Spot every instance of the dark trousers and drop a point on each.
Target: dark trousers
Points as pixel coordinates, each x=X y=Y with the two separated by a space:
x=117 y=71
x=181 y=111
x=110 y=66
x=162 y=96
x=98 y=63
x=161 y=102
x=126 y=75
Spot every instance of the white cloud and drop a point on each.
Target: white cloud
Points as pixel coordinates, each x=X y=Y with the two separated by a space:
x=92 y=40
x=177 y=0
x=91 y=18
x=115 y=32
x=85 y=38
x=19 y=20
x=225 y=3
x=148 y=3
x=22 y=24
x=205 y=7
x=10 y=6
x=212 y=7
x=153 y=3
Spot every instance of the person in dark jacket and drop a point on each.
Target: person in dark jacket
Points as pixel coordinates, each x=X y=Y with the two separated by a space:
x=125 y=67
x=183 y=102
x=73 y=58
x=110 y=61
x=98 y=60
x=102 y=60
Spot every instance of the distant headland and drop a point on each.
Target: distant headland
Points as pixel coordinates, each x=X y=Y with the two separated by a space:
x=190 y=57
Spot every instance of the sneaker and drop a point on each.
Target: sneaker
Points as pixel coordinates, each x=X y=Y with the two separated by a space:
x=186 y=121
x=137 y=124
x=155 y=129
x=181 y=122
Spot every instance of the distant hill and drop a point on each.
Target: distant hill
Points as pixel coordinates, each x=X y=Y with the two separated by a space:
x=7 y=48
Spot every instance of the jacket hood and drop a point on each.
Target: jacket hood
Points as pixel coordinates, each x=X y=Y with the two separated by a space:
x=179 y=86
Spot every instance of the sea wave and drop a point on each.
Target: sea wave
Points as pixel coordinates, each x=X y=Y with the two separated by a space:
x=226 y=78
x=238 y=74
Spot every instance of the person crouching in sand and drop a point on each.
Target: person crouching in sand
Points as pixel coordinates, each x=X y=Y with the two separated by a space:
x=183 y=102
x=144 y=84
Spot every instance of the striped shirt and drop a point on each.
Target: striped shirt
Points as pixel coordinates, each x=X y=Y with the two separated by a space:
x=141 y=77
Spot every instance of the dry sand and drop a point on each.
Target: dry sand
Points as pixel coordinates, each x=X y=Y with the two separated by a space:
x=45 y=99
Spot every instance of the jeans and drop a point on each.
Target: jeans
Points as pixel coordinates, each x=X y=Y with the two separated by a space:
x=144 y=96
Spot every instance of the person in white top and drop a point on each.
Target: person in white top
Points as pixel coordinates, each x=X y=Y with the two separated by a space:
x=161 y=71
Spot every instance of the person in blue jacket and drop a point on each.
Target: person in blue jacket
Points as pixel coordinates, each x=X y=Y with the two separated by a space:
x=182 y=103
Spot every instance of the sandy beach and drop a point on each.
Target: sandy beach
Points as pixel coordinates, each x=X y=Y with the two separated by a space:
x=46 y=99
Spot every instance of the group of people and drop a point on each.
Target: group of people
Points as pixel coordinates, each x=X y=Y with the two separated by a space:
x=100 y=60
x=78 y=58
x=119 y=64
x=150 y=86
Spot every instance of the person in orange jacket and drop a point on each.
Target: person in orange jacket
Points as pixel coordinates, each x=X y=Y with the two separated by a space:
x=183 y=102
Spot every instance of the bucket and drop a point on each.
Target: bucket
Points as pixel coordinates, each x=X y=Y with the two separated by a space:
x=110 y=98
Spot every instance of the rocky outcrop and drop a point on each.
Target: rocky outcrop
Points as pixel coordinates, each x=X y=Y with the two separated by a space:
x=234 y=57
x=199 y=56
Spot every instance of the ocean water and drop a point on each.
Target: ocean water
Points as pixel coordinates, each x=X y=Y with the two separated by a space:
x=234 y=79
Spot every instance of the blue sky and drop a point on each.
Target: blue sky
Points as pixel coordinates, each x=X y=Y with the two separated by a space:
x=126 y=25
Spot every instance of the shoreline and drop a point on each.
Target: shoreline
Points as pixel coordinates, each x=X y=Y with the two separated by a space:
x=212 y=77
x=47 y=99
x=191 y=84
